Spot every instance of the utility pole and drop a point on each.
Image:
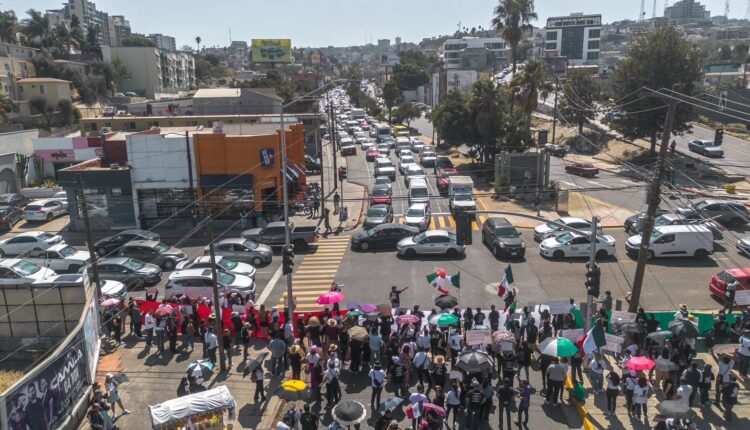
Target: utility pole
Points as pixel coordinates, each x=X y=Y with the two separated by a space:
x=287 y=233
x=334 y=138
x=554 y=111
x=89 y=242
x=218 y=321
x=653 y=205
x=190 y=178
x=592 y=265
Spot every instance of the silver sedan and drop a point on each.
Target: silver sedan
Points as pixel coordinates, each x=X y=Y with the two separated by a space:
x=431 y=242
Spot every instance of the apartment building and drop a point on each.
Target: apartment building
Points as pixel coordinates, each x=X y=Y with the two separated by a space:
x=153 y=70
x=12 y=69
x=18 y=51
x=685 y=11
x=575 y=37
x=467 y=52
x=119 y=29
x=163 y=41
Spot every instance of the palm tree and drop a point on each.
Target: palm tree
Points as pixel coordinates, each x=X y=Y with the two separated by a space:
x=36 y=25
x=7 y=105
x=512 y=19
x=533 y=82
x=198 y=41
x=8 y=26
x=484 y=105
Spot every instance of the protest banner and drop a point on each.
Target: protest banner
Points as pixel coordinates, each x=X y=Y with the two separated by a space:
x=559 y=306
x=478 y=337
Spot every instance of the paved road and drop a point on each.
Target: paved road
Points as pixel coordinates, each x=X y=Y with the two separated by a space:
x=736 y=151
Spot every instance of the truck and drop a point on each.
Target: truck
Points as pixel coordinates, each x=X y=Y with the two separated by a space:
x=60 y=258
x=357 y=114
x=273 y=235
x=460 y=197
x=400 y=131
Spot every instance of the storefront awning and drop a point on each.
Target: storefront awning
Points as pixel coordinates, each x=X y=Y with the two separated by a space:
x=226 y=181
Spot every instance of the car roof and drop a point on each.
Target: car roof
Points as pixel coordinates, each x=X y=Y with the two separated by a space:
x=41 y=201
x=378 y=206
x=114 y=260
x=34 y=233
x=381 y=187
x=739 y=272
x=714 y=201
x=682 y=228
x=395 y=225
x=191 y=273
x=148 y=243
x=7 y=262
x=499 y=221
x=570 y=219
x=420 y=182
x=430 y=233
x=59 y=246
x=422 y=206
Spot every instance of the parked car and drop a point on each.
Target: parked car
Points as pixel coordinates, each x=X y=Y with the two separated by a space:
x=418 y=215
x=111 y=244
x=28 y=241
x=9 y=216
x=15 y=271
x=741 y=276
x=274 y=234
x=582 y=169
x=44 y=210
x=241 y=249
x=196 y=283
x=131 y=272
x=382 y=236
x=556 y=150
x=376 y=215
x=381 y=194
x=312 y=165
x=13 y=199
x=223 y=264
x=727 y=212
x=61 y=258
x=442 y=178
x=151 y=251
x=705 y=148
x=575 y=245
x=502 y=238
x=543 y=231
x=60 y=196
x=430 y=242
x=634 y=220
x=114 y=289
x=743 y=245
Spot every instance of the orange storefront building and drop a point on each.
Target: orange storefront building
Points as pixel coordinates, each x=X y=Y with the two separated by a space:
x=233 y=165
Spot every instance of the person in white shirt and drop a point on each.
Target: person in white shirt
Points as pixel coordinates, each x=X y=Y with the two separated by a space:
x=149 y=325
x=422 y=363
x=423 y=340
x=726 y=365
x=598 y=366
x=377 y=379
x=416 y=400
x=453 y=402
x=683 y=392
x=640 y=398
x=333 y=390
x=454 y=342
x=212 y=345
x=743 y=353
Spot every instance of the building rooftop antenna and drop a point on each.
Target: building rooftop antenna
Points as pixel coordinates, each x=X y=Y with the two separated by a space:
x=642 y=13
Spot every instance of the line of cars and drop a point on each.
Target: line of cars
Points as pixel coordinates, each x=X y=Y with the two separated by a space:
x=15 y=207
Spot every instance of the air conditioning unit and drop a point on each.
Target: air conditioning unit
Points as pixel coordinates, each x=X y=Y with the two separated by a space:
x=114 y=166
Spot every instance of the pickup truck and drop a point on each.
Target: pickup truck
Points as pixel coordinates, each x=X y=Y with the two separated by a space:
x=273 y=235
x=61 y=258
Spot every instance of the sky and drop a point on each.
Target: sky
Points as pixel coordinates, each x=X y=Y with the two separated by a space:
x=323 y=23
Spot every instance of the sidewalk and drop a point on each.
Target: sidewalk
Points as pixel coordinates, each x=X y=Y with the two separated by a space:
x=352 y=190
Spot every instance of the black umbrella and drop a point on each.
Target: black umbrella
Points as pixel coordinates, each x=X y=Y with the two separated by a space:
x=349 y=412
x=474 y=362
x=684 y=328
x=254 y=363
x=629 y=327
x=659 y=336
x=446 y=301
x=666 y=365
x=674 y=409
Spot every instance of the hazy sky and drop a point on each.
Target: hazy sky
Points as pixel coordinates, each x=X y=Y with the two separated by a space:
x=336 y=22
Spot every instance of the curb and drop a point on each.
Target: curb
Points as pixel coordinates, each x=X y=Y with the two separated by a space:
x=274 y=408
x=704 y=194
x=581 y=409
x=361 y=208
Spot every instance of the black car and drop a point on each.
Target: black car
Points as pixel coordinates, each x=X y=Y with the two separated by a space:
x=110 y=245
x=13 y=199
x=382 y=236
x=502 y=238
x=556 y=150
x=312 y=165
x=9 y=215
x=633 y=221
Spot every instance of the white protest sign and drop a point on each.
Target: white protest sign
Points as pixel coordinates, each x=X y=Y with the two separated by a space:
x=238 y=308
x=506 y=346
x=614 y=343
x=742 y=297
x=572 y=334
x=559 y=306
x=186 y=310
x=622 y=317
x=478 y=337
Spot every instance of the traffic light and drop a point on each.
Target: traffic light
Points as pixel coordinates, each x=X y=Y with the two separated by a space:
x=719 y=136
x=463 y=229
x=288 y=259
x=593 y=278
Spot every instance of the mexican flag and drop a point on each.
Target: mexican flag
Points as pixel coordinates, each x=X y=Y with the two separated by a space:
x=594 y=339
x=441 y=280
x=510 y=310
x=506 y=282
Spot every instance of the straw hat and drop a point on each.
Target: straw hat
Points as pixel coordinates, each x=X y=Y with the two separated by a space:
x=332 y=347
x=296 y=349
x=331 y=322
x=314 y=322
x=683 y=307
x=440 y=360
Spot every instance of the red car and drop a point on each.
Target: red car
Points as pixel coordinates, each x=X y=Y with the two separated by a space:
x=372 y=153
x=364 y=126
x=381 y=194
x=443 y=178
x=582 y=169
x=720 y=280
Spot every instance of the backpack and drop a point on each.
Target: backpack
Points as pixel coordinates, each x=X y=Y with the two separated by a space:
x=289 y=417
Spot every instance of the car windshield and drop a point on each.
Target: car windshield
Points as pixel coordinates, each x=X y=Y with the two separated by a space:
x=415 y=212
x=506 y=232
x=161 y=248
x=419 y=192
x=462 y=197
x=380 y=191
x=701 y=205
x=46 y=236
x=249 y=244
x=726 y=277
x=67 y=251
x=133 y=264
x=415 y=172
x=227 y=264
x=377 y=212
x=660 y=220
x=225 y=278
x=655 y=235
x=565 y=237
x=385 y=163
x=25 y=268
x=419 y=238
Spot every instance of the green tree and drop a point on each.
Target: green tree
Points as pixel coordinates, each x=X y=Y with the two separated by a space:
x=391 y=96
x=725 y=52
x=137 y=40
x=8 y=26
x=513 y=18
x=514 y=134
x=533 y=82
x=409 y=76
x=37 y=25
x=65 y=107
x=407 y=112
x=7 y=105
x=658 y=59
x=39 y=105
x=198 y=41
x=578 y=96
x=740 y=51
x=451 y=118
x=484 y=106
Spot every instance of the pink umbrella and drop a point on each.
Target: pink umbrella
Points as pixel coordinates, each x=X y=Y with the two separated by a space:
x=164 y=311
x=407 y=319
x=330 y=297
x=432 y=407
x=640 y=363
x=368 y=307
x=110 y=302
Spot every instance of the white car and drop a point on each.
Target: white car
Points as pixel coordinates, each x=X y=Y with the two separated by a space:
x=405 y=161
x=543 y=231
x=418 y=215
x=61 y=257
x=575 y=245
x=416 y=144
x=359 y=136
x=60 y=196
x=222 y=263
x=17 y=271
x=430 y=242
x=28 y=241
x=114 y=289
x=44 y=210
x=196 y=283
x=366 y=143
x=413 y=171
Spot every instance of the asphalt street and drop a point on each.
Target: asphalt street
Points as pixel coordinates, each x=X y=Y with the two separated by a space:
x=736 y=151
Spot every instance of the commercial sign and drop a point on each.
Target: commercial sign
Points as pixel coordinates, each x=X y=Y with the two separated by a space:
x=272 y=50
x=267 y=157
x=45 y=401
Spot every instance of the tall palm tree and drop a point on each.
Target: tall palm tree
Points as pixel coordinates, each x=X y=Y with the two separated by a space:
x=198 y=42
x=7 y=105
x=8 y=26
x=484 y=104
x=534 y=83
x=36 y=25
x=512 y=19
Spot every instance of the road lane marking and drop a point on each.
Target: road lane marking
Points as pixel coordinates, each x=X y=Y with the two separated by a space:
x=570 y=184
x=482 y=219
x=452 y=222
x=270 y=286
x=628 y=181
x=598 y=184
x=439 y=221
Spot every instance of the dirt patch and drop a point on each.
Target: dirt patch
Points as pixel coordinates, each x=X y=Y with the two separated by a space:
x=8 y=378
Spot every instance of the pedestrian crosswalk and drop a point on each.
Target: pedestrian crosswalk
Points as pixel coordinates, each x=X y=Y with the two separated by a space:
x=445 y=222
x=315 y=274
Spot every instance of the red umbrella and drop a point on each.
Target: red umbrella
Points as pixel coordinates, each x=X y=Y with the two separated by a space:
x=164 y=311
x=640 y=363
x=330 y=298
x=110 y=302
x=427 y=407
x=407 y=319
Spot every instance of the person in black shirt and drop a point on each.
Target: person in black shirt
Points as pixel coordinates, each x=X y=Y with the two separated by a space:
x=439 y=371
x=439 y=397
x=308 y=419
x=395 y=296
x=509 y=366
x=226 y=343
x=494 y=318
x=468 y=319
x=729 y=394
x=398 y=373
x=384 y=421
x=479 y=317
x=474 y=401
x=506 y=402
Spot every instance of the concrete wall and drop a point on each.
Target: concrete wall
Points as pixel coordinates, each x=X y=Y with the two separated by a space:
x=159 y=162
x=19 y=142
x=52 y=91
x=9 y=181
x=143 y=68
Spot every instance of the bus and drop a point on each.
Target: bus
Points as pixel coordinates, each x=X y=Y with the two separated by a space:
x=382 y=132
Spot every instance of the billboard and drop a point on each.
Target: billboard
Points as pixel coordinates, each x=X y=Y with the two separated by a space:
x=272 y=50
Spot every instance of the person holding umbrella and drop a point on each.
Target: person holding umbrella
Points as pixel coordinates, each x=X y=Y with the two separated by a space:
x=640 y=398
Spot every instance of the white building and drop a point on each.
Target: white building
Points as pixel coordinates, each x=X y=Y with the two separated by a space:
x=575 y=37
x=152 y=70
x=452 y=79
x=455 y=49
x=163 y=41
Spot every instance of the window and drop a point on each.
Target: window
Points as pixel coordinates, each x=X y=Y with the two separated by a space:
x=7 y=67
x=593 y=44
x=595 y=33
x=41 y=89
x=550 y=46
x=592 y=55
x=551 y=35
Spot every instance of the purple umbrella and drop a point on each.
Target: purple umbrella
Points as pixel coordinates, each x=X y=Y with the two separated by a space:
x=368 y=307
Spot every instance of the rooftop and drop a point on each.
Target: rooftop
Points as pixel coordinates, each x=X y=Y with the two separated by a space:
x=40 y=80
x=205 y=93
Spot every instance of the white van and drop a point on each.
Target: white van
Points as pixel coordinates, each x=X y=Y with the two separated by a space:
x=690 y=240
x=418 y=191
